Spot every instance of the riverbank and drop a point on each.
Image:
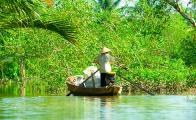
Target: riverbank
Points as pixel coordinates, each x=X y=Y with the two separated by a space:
x=159 y=90
x=13 y=88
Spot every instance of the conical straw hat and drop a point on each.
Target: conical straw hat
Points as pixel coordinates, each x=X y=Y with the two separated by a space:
x=105 y=50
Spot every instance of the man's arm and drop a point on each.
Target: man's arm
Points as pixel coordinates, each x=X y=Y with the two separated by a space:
x=96 y=60
x=112 y=59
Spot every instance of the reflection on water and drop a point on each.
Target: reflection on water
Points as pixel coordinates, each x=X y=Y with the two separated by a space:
x=99 y=108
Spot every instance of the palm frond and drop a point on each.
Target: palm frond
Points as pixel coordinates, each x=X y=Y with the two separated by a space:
x=99 y=1
x=116 y=3
x=62 y=27
x=21 y=13
x=108 y=4
x=21 y=7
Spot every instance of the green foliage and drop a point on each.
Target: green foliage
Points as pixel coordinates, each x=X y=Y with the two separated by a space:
x=191 y=81
x=153 y=43
x=11 y=70
x=188 y=51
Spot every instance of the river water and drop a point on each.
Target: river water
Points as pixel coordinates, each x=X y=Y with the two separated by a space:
x=98 y=108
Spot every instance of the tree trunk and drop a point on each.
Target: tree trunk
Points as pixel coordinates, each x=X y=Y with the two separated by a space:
x=22 y=76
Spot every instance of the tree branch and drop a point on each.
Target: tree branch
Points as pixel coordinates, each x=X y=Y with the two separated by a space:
x=176 y=6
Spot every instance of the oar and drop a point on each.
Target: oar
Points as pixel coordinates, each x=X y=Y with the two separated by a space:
x=68 y=94
x=138 y=86
x=84 y=81
x=133 y=83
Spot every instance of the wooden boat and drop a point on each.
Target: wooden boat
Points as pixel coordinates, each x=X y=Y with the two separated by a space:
x=101 y=91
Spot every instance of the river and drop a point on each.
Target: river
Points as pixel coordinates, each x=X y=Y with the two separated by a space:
x=98 y=108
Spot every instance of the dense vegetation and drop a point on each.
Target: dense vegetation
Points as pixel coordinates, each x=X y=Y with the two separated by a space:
x=153 y=44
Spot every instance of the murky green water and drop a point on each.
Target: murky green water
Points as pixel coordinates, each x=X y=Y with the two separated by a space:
x=98 y=108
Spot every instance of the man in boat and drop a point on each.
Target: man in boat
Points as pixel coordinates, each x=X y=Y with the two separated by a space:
x=105 y=60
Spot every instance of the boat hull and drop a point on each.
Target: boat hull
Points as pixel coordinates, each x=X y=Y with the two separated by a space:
x=102 y=91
